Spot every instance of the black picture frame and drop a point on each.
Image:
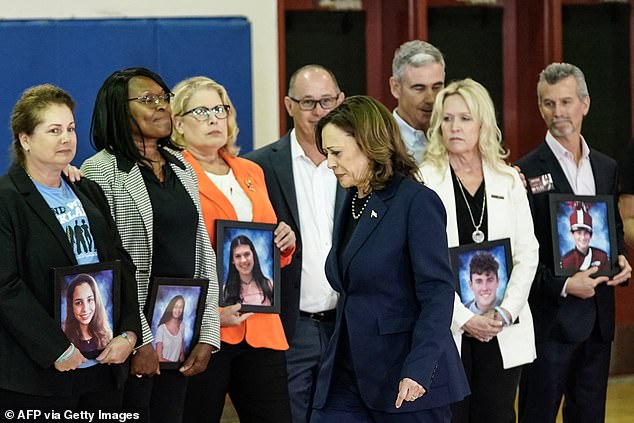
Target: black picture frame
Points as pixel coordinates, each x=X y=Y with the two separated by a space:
x=165 y=296
x=566 y=255
x=103 y=282
x=266 y=255
x=460 y=258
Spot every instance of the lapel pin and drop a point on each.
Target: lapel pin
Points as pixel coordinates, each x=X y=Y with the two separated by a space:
x=373 y=214
x=250 y=185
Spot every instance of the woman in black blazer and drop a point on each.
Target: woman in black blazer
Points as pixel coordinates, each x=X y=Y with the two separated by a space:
x=39 y=367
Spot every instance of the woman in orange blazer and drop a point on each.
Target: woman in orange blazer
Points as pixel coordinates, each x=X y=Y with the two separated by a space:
x=250 y=365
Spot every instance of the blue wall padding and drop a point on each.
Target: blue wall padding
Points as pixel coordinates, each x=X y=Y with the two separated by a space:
x=78 y=55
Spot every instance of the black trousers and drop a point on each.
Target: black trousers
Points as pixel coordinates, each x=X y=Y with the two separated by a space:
x=158 y=399
x=578 y=371
x=493 y=388
x=254 y=378
x=94 y=389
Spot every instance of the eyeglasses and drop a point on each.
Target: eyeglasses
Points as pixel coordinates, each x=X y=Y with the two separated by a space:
x=203 y=114
x=309 y=104
x=154 y=99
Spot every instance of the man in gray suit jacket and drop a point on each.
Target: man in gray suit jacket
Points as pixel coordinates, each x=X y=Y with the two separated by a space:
x=305 y=193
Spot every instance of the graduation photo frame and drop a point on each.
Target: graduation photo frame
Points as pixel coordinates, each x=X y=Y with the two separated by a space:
x=86 y=304
x=175 y=311
x=583 y=234
x=482 y=272
x=248 y=266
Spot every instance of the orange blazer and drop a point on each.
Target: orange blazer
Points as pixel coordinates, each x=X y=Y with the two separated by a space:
x=261 y=330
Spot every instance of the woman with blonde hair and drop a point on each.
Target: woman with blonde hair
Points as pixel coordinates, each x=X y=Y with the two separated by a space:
x=232 y=188
x=485 y=200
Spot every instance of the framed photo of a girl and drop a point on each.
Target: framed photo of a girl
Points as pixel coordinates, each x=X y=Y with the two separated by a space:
x=248 y=266
x=482 y=273
x=175 y=312
x=84 y=304
x=585 y=234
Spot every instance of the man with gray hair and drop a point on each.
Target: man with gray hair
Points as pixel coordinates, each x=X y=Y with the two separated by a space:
x=418 y=74
x=573 y=316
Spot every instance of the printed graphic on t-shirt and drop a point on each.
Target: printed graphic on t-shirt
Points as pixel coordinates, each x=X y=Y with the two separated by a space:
x=73 y=219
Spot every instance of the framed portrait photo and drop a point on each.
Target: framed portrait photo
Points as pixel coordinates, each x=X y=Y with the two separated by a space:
x=583 y=234
x=87 y=305
x=175 y=311
x=482 y=272
x=248 y=266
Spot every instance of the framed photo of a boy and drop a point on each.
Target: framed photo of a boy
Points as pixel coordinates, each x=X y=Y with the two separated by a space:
x=482 y=273
x=583 y=234
x=174 y=311
x=85 y=305
x=248 y=266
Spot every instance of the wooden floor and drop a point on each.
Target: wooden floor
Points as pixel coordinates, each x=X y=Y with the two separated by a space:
x=620 y=404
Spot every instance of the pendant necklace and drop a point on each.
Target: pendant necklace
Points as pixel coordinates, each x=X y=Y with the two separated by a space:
x=477 y=235
x=356 y=215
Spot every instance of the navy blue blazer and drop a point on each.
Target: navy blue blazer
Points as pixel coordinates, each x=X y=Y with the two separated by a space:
x=276 y=162
x=398 y=302
x=569 y=319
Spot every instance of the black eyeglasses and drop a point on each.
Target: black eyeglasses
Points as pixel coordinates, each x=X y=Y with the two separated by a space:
x=154 y=99
x=309 y=104
x=203 y=114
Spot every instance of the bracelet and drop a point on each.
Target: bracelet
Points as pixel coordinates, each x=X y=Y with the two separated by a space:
x=66 y=354
x=124 y=335
x=501 y=312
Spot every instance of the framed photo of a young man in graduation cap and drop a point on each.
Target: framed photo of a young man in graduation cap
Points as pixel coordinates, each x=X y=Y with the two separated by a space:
x=583 y=234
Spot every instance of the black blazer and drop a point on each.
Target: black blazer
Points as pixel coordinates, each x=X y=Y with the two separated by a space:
x=32 y=242
x=569 y=319
x=276 y=162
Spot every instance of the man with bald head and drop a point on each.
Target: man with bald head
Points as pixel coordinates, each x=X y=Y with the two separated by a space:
x=418 y=74
x=304 y=193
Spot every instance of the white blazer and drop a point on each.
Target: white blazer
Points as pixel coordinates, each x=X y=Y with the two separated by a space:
x=509 y=216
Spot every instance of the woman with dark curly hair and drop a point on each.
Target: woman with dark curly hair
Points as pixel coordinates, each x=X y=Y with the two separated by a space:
x=86 y=324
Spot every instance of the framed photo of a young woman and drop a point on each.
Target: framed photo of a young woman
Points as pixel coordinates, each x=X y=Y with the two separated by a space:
x=482 y=273
x=174 y=311
x=86 y=305
x=583 y=234
x=248 y=266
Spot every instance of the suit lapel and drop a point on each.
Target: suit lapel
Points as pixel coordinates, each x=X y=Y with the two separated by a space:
x=602 y=183
x=370 y=219
x=281 y=162
x=39 y=206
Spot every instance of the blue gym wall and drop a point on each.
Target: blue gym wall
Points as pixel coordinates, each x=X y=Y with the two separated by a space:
x=78 y=55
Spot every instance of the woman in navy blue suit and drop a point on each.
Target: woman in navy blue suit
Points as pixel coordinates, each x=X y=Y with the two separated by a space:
x=391 y=357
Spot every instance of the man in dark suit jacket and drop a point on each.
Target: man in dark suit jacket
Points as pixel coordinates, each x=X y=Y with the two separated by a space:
x=574 y=316
x=304 y=193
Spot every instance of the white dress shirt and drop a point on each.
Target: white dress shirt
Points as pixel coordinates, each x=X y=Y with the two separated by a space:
x=414 y=139
x=229 y=186
x=315 y=188
x=579 y=177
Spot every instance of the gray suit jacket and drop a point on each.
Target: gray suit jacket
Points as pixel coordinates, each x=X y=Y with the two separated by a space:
x=123 y=185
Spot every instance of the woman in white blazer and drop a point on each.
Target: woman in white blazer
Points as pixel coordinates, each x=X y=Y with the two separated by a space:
x=485 y=200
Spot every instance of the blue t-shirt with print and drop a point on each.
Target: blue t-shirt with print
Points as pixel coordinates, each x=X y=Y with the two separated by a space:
x=72 y=217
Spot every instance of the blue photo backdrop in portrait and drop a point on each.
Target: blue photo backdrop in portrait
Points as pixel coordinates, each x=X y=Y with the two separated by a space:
x=191 y=295
x=263 y=243
x=104 y=280
x=598 y=210
x=78 y=55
